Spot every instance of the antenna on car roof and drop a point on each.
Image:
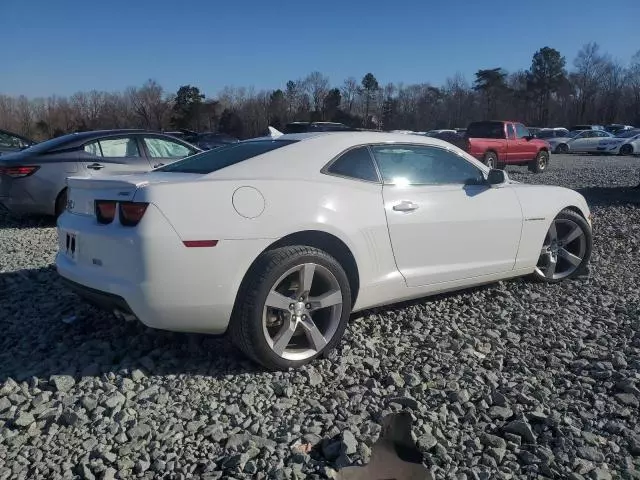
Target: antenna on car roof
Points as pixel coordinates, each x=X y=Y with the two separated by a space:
x=274 y=133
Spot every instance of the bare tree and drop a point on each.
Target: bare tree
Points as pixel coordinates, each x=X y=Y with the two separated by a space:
x=590 y=66
x=349 y=91
x=317 y=86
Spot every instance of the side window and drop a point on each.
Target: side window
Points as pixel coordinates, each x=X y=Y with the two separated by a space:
x=93 y=148
x=113 y=147
x=521 y=131
x=161 y=148
x=355 y=163
x=511 y=132
x=424 y=165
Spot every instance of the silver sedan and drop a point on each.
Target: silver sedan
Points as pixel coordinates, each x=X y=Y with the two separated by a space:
x=33 y=181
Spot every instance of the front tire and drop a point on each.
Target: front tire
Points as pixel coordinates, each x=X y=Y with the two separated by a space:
x=292 y=308
x=540 y=163
x=626 y=150
x=566 y=248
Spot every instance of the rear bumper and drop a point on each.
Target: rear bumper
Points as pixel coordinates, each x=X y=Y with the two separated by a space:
x=30 y=195
x=98 y=298
x=147 y=271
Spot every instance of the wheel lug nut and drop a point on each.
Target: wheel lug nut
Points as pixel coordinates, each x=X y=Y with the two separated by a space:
x=308 y=306
x=291 y=305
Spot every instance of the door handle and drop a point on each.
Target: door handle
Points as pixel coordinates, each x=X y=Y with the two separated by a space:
x=158 y=165
x=405 y=206
x=95 y=166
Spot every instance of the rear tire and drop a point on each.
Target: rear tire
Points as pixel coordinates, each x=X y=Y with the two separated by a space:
x=292 y=307
x=491 y=159
x=61 y=203
x=540 y=163
x=562 y=148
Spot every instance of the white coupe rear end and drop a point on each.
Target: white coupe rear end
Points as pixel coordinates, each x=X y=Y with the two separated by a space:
x=128 y=257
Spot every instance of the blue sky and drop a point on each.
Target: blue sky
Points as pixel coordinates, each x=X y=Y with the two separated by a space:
x=64 y=46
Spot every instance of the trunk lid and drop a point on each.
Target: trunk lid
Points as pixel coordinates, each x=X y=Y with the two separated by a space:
x=83 y=191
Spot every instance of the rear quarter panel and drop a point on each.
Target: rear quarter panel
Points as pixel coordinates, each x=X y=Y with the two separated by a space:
x=47 y=182
x=351 y=210
x=540 y=205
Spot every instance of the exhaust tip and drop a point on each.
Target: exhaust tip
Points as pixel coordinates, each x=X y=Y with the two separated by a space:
x=127 y=317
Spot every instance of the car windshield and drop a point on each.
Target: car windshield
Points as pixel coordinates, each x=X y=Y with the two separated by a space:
x=213 y=160
x=628 y=134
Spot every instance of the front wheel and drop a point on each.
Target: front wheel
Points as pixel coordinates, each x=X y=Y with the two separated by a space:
x=293 y=307
x=566 y=248
x=540 y=163
x=626 y=150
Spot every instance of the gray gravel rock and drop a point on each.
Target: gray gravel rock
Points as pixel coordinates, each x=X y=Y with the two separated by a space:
x=512 y=380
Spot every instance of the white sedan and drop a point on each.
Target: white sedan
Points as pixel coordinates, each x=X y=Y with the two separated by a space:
x=579 y=141
x=625 y=143
x=276 y=240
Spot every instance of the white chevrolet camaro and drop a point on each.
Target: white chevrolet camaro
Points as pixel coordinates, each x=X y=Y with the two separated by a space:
x=277 y=240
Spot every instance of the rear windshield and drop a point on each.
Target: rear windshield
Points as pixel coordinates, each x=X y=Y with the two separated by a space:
x=486 y=130
x=213 y=160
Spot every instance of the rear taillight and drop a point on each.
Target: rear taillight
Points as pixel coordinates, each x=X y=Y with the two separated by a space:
x=18 y=172
x=131 y=212
x=105 y=211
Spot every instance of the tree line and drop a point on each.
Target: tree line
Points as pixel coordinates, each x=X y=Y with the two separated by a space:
x=594 y=89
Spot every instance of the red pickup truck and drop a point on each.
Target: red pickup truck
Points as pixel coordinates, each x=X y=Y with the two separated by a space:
x=498 y=143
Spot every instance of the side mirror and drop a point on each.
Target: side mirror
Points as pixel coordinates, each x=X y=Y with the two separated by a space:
x=497 y=178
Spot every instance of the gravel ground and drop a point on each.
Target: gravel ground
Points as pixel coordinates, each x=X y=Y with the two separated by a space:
x=512 y=380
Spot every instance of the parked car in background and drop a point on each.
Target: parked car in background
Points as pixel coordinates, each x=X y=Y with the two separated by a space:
x=500 y=143
x=576 y=128
x=210 y=140
x=578 y=141
x=277 y=240
x=33 y=181
x=627 y=142
x=617 y=128
x=555 y=132
x=302 y=127
x=12 y=142
x=433 y=133
x=452 y=137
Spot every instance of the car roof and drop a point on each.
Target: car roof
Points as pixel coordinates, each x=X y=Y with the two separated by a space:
x=309 y=152
x=75 y=139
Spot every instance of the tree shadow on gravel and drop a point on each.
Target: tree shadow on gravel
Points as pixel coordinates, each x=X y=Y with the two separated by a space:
x=48 y=330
